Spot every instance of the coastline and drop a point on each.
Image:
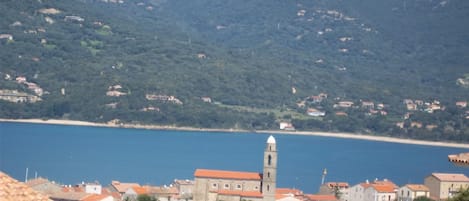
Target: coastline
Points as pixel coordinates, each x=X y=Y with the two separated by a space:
x=309 y=133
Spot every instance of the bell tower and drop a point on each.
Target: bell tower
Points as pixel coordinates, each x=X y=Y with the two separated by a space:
x=269 y=178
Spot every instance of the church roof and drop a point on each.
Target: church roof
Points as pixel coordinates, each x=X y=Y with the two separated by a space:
x=221 y=174
x=271 y=140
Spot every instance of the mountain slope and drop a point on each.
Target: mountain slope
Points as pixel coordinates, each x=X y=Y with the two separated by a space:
x=237 y=64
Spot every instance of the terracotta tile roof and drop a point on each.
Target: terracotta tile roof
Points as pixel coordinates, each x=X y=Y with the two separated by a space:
x=11 y=189
x=161 y=190
x=253 y=194
x=280 y=196
x=384 y=188
x=69 y=195
x=37 y=181
x=220 y=174
x=417 y=187
x=139 y=190
x=285 y=191
x=122 y=187
x=313 y=197
x=451 y=177
x=95 y=197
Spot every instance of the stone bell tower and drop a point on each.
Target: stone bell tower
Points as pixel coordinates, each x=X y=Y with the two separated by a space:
x=269 y=178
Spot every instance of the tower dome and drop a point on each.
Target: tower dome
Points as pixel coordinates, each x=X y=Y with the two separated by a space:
x=271 y=140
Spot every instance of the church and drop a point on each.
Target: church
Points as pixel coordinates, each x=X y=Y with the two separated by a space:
x=214 y=185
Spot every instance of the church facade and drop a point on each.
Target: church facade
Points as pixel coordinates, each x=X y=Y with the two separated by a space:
x=215 y=185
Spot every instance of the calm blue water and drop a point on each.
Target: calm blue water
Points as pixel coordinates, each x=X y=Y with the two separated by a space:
x=71 y=154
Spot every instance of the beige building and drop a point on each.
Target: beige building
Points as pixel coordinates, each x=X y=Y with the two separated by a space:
x=214 y=185
x=411 y=191
x=382 y=190
x=332 y=188
x=444 y=185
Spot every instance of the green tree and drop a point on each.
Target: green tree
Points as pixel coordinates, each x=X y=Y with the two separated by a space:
x=422 y=198
x=145 y=197
x=462 y=195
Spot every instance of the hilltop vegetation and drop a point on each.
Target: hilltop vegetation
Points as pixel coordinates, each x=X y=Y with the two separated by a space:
x=245 y=64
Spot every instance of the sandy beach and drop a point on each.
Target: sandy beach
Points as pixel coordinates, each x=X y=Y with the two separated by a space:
x=310 y=133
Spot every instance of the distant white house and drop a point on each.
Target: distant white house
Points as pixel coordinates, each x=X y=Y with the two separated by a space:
x=315 y=113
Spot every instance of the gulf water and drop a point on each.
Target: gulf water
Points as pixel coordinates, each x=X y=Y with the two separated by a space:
x=72 y=154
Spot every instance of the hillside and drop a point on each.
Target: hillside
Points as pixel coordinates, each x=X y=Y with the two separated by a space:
x=241 y=64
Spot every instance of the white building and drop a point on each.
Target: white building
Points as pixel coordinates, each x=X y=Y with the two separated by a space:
x=411 y=191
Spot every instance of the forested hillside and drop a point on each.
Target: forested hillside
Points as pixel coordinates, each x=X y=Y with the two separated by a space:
x=403 y=65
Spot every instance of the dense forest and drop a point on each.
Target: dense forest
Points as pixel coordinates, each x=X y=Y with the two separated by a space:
x=241 y=64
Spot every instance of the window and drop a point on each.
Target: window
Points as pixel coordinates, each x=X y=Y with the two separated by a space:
x=214 y=185
x=268 y=187
x=238 y=186
x=256 y=187
x=269 y=160
x=270 y=148
x=268 y=174
x=227 y=186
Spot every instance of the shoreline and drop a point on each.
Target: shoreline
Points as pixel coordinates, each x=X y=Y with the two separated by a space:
x=281 y=132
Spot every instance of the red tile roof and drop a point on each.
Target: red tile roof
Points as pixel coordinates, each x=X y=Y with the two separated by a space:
x=139 y=190
x=256 y=194
x=384 y=188
x=220 y=174
x=284 y=191
x=11 y=189
x=313 y=197
x=451 y=177
x=122 y=187
x=417 y=187
x=95 y=197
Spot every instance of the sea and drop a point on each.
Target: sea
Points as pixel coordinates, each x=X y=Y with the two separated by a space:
x=75 y=154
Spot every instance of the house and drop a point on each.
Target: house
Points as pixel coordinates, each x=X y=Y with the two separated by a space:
x=74 y=18
x=445 y=185
x=384 y=190
x=201 y=56
x=415 y=124
x=368 y=104
x=51 y=11
x=345 y=104
x=6 y=36
x=315 y=113
x=117 y=186
x=335 y=188
x=43 y=185
x=115 y=93
x=20 y=79
x=411 y=106
x=133 y=192
x=341 y=114
x=373 y=190
x=286 y=126
x=411 y=191
x=418 y=102
x=316 y=99
x=12 y=189
x=400 y=124
x=461 y=104
x=431 y=127
x=206 y=99
x=164 y=193
x=185 y=188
